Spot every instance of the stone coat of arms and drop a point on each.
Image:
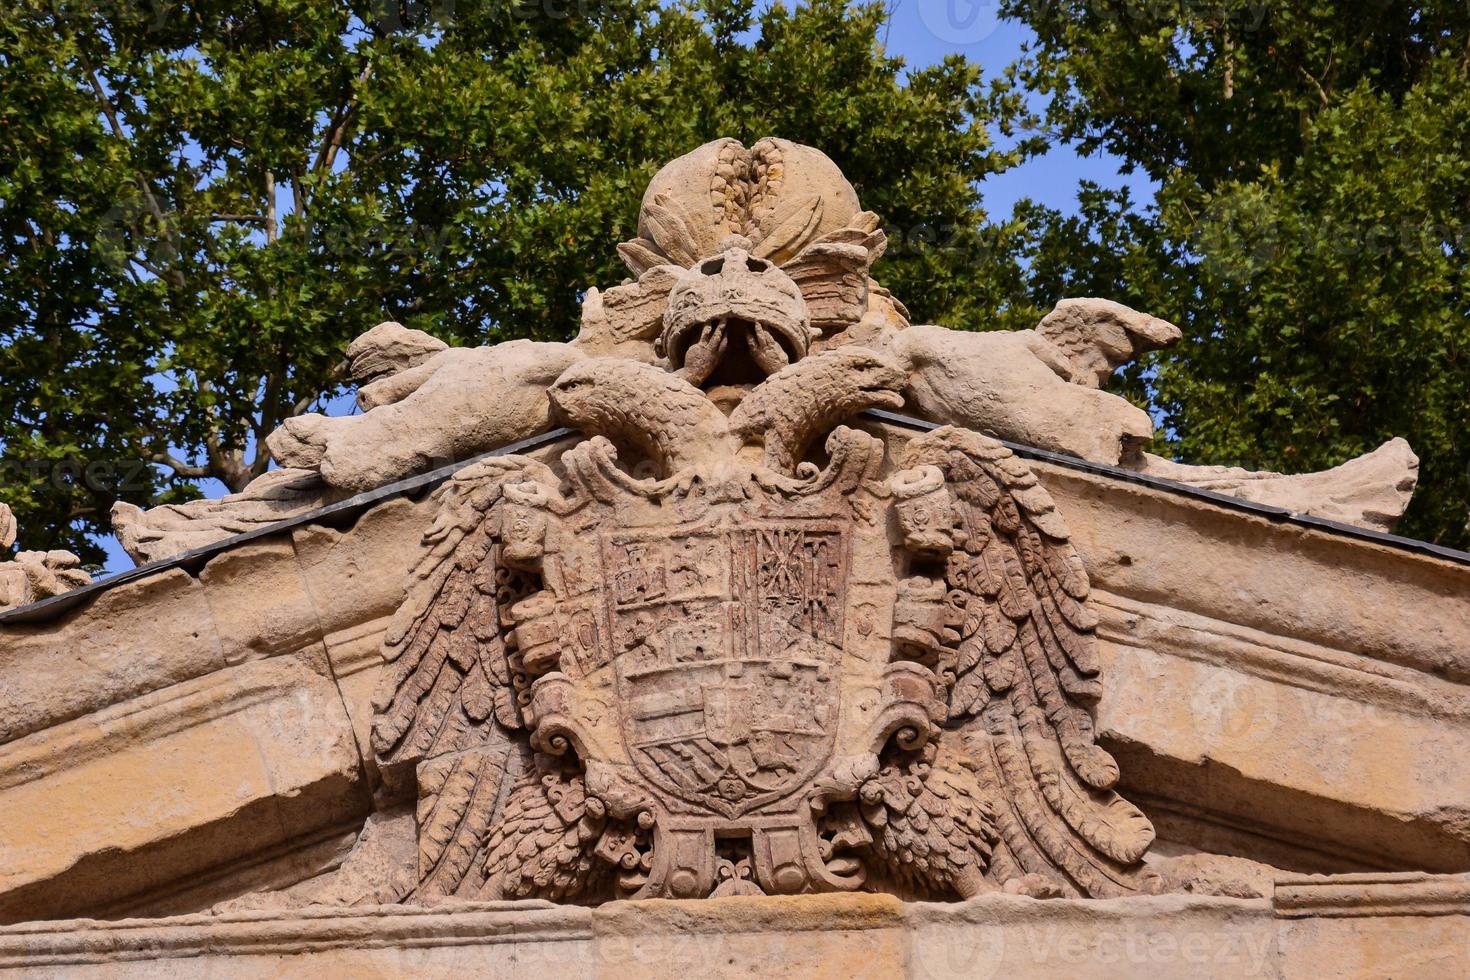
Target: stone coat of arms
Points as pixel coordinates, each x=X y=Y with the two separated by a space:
x=738 y=641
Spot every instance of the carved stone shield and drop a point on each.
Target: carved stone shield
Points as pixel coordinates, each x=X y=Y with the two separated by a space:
x=728 y=645
x=717 y=665
x=752 y=672
x=734 y=640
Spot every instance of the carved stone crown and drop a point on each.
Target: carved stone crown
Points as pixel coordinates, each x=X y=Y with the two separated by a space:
x=780 y=195
x=734 y=298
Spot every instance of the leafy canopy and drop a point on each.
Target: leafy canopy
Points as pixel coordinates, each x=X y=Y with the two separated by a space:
x=1309 y=233
x=201 y=203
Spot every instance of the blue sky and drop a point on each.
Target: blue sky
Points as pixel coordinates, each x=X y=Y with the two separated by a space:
x=922 y=32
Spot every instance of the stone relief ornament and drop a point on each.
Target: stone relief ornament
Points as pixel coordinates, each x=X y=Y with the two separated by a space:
x=747 y=260
x=34 y=575
x=727 y=642
x=751 y=655
x=729 y=633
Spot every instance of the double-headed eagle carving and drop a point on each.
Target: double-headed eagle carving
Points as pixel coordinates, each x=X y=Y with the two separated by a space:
x=738 y=640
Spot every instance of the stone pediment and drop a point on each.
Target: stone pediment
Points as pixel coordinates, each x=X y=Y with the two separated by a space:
x=1256 y=705
x=743 y=630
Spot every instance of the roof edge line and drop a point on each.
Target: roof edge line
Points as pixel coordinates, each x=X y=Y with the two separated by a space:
x=1280 y=514
x=53 y=606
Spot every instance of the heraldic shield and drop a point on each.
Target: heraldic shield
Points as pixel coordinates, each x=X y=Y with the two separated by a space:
x=709 y=625
x=728 y=647
x=729 y=632
x=699 y=657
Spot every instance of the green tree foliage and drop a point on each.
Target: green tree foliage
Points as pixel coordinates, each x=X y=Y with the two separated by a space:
x=202 y=202
x=1310 y=229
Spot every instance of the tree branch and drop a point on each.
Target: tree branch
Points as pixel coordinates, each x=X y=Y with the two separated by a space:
x=110 y=113
x=270 y=208
x=1321 y=92
x=298 y=194
x=147 y=266
x=180 y=468
x=1229 y=47
x=219 y=465
x=337 y=128
x=337 y=374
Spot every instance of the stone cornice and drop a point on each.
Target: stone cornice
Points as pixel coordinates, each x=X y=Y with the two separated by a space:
x=1047 y=937
x=345 y=509
x=1364 y=895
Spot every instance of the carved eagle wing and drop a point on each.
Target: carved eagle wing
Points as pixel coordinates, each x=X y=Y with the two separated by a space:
x=1019 y=638
x=448 y=707
x=450 y=662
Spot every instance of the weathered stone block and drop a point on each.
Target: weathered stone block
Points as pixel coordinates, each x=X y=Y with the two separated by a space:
x=260 y=601
x=137 y=638
x=150 y=791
